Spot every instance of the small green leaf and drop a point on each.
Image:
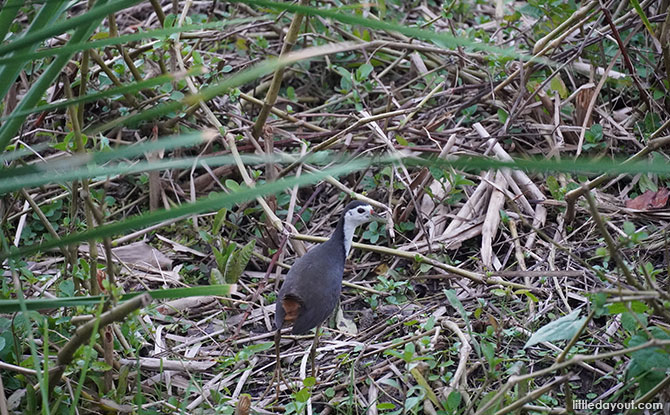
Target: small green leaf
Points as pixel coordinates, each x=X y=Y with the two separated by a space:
x=309 y=382
x=456 y=303
x=489 y=352
x=219 y=220
x=563 y=328
x=499 y=292
x=330 y=392
x=401 y=140
x=385 y=405
x=616 y=308
x=602 y=252
x=302 y=395
x=629 y=228
x=66 y=288
x=238 y=262
x=638 y=306
x=502 y=115
x=528 y=294
x=215 y=277
x=454 y=400
x=232 y=185
x=290 y=93
x=556 y=84
x=364 y=71
x=424 y=267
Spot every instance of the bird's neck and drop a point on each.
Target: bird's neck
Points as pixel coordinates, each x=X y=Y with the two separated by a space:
x=344 y=235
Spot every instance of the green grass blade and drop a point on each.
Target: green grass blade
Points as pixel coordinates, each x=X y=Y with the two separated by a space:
x=85 y=20
x=13 y=306
x=125 y=39
x=127 y=89
x=45 y=17
x=234 y=81
x=442 y=38
x=211 y=203
x=36 y=92
x=643 y=16
x=540 y=165
x=7 y=14
x=61 y=172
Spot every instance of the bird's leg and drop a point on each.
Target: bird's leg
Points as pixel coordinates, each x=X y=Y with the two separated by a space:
x=312 y=352
x=277 y=373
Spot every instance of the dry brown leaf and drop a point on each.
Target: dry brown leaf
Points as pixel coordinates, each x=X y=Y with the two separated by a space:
x=582 y=105
x=649 y=200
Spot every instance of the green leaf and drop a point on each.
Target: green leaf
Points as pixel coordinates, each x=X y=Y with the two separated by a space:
x=401 y=140
x=215 y=277
x=425 y=267
x=454 y=400
x=616 y=308
x=330 y=392
x=629 y=228
x=502 y=115
x=385 y=405
x=639 y=306
x=232 y=185
x=238 y=262
x=556 y=84
x=290 y=93
x=219 y=219
x=456 y=303
x=364 y=71
x=528 y=294
x=309 y=381
x=498 y=292
x=629 y=322
x=563 y=328
x=220 y=258
x=66 y=288
x=602 y=252
x=12 y=306
x=489 y=352
x=643 y=16
x=302 y=395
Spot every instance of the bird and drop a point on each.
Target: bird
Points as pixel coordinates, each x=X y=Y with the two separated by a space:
x=312 y=286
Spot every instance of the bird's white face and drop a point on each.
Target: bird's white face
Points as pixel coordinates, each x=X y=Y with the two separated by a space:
x=352 y=218
x=358 y=216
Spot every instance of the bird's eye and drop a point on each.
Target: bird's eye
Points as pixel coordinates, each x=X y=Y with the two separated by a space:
x=361 y=210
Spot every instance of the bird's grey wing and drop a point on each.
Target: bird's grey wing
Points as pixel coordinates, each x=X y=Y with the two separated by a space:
x=321 y=282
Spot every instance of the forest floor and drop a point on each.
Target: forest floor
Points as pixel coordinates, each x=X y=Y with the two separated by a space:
x=439 y=300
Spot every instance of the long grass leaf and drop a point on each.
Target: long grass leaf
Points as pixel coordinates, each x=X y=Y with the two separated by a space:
x=12 y=306
x=442 y=38
x=96 y=14
x=211 y=203
x=7 y=14
x=125 y=39
x=33 y=176
x=45 y=17
x=126 y=89
x=38 y=89
x=238 y=79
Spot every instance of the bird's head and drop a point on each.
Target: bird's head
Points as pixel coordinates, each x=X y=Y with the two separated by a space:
x=357 y=213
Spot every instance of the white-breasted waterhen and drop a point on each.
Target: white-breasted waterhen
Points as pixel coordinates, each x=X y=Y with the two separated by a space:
x=313 y=284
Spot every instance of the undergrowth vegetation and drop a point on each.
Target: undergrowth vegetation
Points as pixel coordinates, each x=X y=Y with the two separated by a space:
x=164 y=162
